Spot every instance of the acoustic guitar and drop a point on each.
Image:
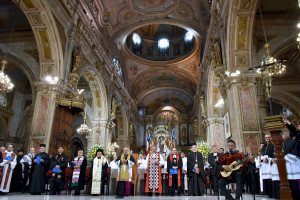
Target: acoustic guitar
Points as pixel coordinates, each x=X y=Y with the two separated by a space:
x=235 y=165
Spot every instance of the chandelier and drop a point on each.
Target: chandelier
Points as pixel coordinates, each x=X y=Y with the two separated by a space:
x=84 y=129
x=270 y=66
x=6 y=85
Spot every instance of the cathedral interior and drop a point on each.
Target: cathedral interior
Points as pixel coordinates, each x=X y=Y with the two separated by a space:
x=178 y=71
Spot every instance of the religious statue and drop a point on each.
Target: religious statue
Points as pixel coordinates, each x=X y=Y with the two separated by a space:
x=77 y=61
x=113 y=109
x=217 y=54
x=196 y=127
x=183 y=133
x=202 y=104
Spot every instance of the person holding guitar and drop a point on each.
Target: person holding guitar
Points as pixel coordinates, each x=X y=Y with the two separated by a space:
x=230 y=167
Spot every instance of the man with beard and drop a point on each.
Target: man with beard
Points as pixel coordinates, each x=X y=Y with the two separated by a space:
x=195 y=171
x=58 y=164
x=99 y=172
x=174 y=164
x=212 y=160
x=40 y=167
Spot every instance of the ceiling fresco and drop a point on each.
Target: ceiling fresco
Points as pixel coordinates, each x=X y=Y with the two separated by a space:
x=117 y=19
x=161 y=102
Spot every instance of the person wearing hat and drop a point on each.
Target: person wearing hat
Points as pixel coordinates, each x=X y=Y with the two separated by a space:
x=39 y=169
x=195 y=172
x=58 y=165
x=99 y=172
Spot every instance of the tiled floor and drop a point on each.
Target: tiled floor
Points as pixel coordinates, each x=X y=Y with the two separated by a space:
x=82 y=197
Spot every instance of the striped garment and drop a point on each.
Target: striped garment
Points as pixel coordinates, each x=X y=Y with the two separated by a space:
x=76 y=172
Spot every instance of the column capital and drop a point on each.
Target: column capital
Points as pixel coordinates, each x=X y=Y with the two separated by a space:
x=215 y=120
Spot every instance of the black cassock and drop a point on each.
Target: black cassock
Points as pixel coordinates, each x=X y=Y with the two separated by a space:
x=81 y=179
x=39 y=174
x=295 y=134
x=212 y=160
x=175 y=161
x=290 y=146
x=16 y=176
x=58 y=179
x=196 y=181
x=121 y=185
x=103 y=175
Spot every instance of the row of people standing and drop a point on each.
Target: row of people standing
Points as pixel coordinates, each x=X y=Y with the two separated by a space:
x=260 y=171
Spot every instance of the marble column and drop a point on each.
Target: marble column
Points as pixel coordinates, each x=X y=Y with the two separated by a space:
x=215 y=129
x=242 y=106
x=99 y=132
x=43 y=114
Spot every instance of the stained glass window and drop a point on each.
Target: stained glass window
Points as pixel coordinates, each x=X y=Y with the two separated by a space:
x=3 y=100
x=118 y=68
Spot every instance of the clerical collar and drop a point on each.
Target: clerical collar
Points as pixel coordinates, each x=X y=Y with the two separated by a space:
x=194 y=151
x=215 y=154
x=174 y=156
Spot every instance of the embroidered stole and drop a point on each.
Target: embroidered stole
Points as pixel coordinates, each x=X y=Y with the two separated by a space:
x=4 y=155
x=153 y=180
x=178 y=174
x=124 y=169
x=76 y=172
x=97 y=174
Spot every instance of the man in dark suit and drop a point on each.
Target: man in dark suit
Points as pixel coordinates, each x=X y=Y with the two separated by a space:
x=212 y=160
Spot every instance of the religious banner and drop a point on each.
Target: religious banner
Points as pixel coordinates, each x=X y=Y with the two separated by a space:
x=227 y=126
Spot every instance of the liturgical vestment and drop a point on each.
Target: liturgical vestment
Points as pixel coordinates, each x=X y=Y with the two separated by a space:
x=153 y=180
x=124 y=174
x=7 y=170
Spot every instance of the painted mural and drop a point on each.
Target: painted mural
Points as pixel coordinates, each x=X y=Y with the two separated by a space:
x=157 y=103
x=164 y=78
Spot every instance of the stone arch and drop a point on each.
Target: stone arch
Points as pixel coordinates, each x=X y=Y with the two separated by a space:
x=78 y=142
x=100 y=104
x=47 y=36
x=27 y=71
x=97 y=86
x=287 y=99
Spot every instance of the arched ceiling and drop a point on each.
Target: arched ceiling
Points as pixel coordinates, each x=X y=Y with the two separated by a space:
x=280 y=22
x=115 y=20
